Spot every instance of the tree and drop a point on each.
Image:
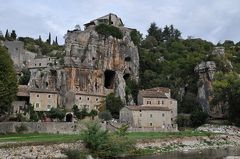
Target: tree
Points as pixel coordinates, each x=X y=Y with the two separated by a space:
x=8 y=82
x=13 y=35
x=56 y=41
x=93 y=113
x=56 y=113
x=226 y=90
x=49 y=40
x=7 y=36
x=24 y=79
x=105 y=115
x=114 y=105
x=102 y=144
x=198 y=118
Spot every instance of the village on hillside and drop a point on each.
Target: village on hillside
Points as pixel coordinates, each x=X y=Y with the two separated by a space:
x=90 y=67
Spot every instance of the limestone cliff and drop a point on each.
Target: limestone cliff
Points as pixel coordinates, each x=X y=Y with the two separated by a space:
x=206 y=72
x=93 y=64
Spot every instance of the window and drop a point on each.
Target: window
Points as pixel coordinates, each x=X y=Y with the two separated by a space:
x=49 y=106
x=87 y=98
x=35 y=64
x=40 y=64
x=150 y=115
x=96 y=99
x=171 y=119
x=80 y=98
x=49 y=59
x=140 y=114
x=150 y=124
x=37 y=95
x=49 y=96
x=140 y=110
x=148 y=102
x=159 y=102
x=162 y=102
x=163 y=114
x=37 y=105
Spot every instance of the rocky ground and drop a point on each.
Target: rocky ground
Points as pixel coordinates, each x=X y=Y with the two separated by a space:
x=54 y=151
x=228 y=136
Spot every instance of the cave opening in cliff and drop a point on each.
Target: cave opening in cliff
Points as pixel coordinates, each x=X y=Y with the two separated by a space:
x=126 y=76
x=109 y=77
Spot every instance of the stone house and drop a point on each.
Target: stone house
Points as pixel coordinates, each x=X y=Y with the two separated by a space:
x=155 y=110
x=110 y=18
x=43 y=99
x=22 y=99
x=41 y=62
x=88 y=101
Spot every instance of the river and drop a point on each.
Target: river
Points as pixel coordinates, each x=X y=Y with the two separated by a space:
x=203 y=154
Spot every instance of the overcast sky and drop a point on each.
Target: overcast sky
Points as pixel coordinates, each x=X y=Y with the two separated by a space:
x=212 y=20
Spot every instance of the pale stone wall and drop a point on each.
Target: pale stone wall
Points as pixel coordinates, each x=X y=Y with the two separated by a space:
x=41 y=62
x=88 y=101
x=16 y=51
x=151 y=118
x=42 y=127
x=43 y=101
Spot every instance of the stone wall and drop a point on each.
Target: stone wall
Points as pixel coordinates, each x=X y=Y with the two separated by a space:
x=42 y=127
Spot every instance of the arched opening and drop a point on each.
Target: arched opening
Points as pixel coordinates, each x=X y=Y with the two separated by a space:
x=69 y=117
x=109 y=79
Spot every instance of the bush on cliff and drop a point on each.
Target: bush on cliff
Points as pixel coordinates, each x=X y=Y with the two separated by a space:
x=108 y=30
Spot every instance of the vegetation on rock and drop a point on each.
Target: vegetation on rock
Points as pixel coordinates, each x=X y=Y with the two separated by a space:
x=108 y=30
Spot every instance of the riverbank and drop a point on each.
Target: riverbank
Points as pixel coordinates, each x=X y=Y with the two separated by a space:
x=219 y=137
x=53 y=145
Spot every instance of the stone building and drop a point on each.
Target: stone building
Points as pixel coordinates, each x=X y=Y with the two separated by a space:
x=22 y=99
x=42 y=62
x=111 y=19
x=16 y=52
x=89 y=101
x=21 y=57
x=156 y=109
x=43 y=100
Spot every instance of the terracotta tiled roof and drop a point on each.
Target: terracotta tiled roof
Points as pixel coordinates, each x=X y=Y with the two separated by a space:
x=157 y=92
x=143 y=107
x=152 y=94
x=159 y=89
x=43 y=91
x=23 y=91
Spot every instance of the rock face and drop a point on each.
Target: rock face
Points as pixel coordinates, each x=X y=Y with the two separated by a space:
x=98 y=64
x=94 y=64
x=206 y=72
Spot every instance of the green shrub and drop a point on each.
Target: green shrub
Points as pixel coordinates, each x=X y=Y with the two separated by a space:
x=136 y=37
x=198 y=118
x=74 y=154
x=105 y=145
x=21 y=128
x=105 y=115
x=108 y=30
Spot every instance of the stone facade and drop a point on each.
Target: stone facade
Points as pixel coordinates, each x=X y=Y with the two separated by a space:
x=22 y=99
x=156 y=110
x=111 y=19
x=21 y=58
x=89 y=101
x=43 y=100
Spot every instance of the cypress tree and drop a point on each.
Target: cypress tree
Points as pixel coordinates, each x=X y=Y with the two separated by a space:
x=7 y=35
